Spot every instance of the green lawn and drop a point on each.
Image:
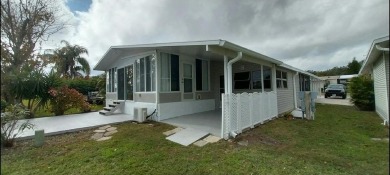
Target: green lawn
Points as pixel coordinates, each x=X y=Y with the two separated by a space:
x=337 y=142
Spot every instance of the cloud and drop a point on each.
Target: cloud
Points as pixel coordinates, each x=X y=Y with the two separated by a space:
x=320 y=34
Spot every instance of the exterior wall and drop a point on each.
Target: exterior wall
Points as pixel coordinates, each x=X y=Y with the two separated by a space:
x=380 y=88
x=170 y=97
x=175 y=109
x=285 y=96
x=146 y=97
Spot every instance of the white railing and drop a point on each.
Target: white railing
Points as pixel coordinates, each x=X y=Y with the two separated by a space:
x=241 y=111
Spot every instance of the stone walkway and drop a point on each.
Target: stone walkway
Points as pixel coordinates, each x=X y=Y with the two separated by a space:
x=71 y=123
x=200 y=143
x=104 y=133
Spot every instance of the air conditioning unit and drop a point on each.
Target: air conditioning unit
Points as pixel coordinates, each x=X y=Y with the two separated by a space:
x=140 y=114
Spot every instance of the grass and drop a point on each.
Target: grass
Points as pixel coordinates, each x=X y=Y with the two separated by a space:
x=337 y=142
x=45 y=112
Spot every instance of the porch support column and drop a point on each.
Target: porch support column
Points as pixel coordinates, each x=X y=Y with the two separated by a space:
x=229 y=71
x=295 y=91
x=262 y=79
x=225 y=73
x=274 y=77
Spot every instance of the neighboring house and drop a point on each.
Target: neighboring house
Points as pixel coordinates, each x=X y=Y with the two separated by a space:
x=183 y=78
x=377 y=65
x=330 y=79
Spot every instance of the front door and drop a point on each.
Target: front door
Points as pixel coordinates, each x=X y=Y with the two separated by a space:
x=121 y=84
x=187 y=80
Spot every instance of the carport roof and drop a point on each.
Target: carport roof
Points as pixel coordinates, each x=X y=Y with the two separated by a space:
x=213 y=49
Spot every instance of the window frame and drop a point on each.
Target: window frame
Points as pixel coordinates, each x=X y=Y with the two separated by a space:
x=201 y=73
x=169 y=65
x=283 y=80
x=152 y=74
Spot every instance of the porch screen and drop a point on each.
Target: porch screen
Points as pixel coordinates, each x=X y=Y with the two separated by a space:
x=145 y=74
x=111 y=80
x=256 y=79
x=129 y=82
x=267 y=77
x=202 y=75
x=242 y=80
x=169 y=70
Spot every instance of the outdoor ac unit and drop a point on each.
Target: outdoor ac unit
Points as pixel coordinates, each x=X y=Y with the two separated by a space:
x=140 y=114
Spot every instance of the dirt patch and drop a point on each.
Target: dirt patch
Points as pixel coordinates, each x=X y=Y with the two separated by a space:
x=256 y=138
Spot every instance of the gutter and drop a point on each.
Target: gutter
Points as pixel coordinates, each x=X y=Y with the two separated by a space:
x=229 y=71
x=381 y=48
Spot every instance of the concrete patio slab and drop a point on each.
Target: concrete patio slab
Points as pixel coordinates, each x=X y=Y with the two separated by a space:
x=70 y=123
x=212 y=139
x=173 y=131
x=187 y=136
x=209 y=121
x=200 y=143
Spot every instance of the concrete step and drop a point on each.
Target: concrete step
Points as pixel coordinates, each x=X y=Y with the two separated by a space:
x=108 y=108
x=104 y=112
x=118 y=102
x=111 y=105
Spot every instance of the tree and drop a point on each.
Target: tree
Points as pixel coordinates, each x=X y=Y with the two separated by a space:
x=68 y=60
x=353 y=66
x=24 y=24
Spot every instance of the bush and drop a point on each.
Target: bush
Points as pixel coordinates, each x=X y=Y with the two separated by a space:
x=362 y=93
x=64 y=98
x=4 y=105
x=83 y=85
x=10 y=127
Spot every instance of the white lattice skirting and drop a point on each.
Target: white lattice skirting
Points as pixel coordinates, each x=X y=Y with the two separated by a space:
x=241 y=111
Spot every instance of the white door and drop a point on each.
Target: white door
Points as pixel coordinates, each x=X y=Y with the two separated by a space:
x=187 y=81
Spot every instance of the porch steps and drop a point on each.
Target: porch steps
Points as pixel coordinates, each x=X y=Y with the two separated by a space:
x=111 y=108
x=187 y=136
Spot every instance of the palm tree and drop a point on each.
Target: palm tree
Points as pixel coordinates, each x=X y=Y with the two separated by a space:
x=68 y=60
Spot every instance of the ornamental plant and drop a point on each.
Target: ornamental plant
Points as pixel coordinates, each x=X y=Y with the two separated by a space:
x=11 y=125
x=65 y=98
x=362 y=92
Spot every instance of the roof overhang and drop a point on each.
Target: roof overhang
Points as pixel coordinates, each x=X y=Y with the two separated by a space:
x=212 y=49
x=300 y=71
x=374 y=53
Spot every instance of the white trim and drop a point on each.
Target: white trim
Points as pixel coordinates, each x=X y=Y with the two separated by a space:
x=181 y=80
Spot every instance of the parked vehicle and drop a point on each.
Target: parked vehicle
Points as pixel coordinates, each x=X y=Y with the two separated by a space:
x=95 y=98
x=336 y=90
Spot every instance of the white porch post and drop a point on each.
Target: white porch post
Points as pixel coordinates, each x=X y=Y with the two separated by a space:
x=274 y=78
x=225 y=73
x=295 y=90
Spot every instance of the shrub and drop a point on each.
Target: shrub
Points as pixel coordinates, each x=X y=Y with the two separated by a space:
x=64 y=98
x=362 y=92
x=83 y=85
x=4 y=105
x=10 y=125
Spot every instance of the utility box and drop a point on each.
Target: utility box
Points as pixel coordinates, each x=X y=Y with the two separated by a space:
x=39 y=138
x=140 y=114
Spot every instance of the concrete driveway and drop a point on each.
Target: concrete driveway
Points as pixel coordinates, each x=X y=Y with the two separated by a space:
x=70 y=123
x=334 y=101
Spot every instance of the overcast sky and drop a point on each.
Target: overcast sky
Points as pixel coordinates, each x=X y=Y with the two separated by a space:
x=307 y=34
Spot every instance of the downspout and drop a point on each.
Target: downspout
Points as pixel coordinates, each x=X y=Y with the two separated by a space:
x=229 y=67
x=295 y=91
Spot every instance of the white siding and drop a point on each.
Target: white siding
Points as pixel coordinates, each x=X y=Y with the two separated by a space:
x=286 y=96
x=380 y=88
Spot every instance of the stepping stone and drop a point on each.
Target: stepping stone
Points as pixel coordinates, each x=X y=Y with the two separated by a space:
x=173 y=131
x=243 y=143
x=187 y=136
x=103 y=139
x=110 y=133
x=212 y=139
x=97 y=136
x=376 y=139
x=100 y=130
x=111 y=129
x=104 y=127
x=200 y=143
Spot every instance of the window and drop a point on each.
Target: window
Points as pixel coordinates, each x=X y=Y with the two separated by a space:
x=111 y=80
x=129 y=82
x=145 y=74
x=256 y=79
x=281 y=79
x=242 y=80
x=202 y=75
x=169 y=72
x=267 y=77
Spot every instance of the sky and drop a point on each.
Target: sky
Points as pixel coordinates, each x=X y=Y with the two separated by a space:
x=307 y=34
